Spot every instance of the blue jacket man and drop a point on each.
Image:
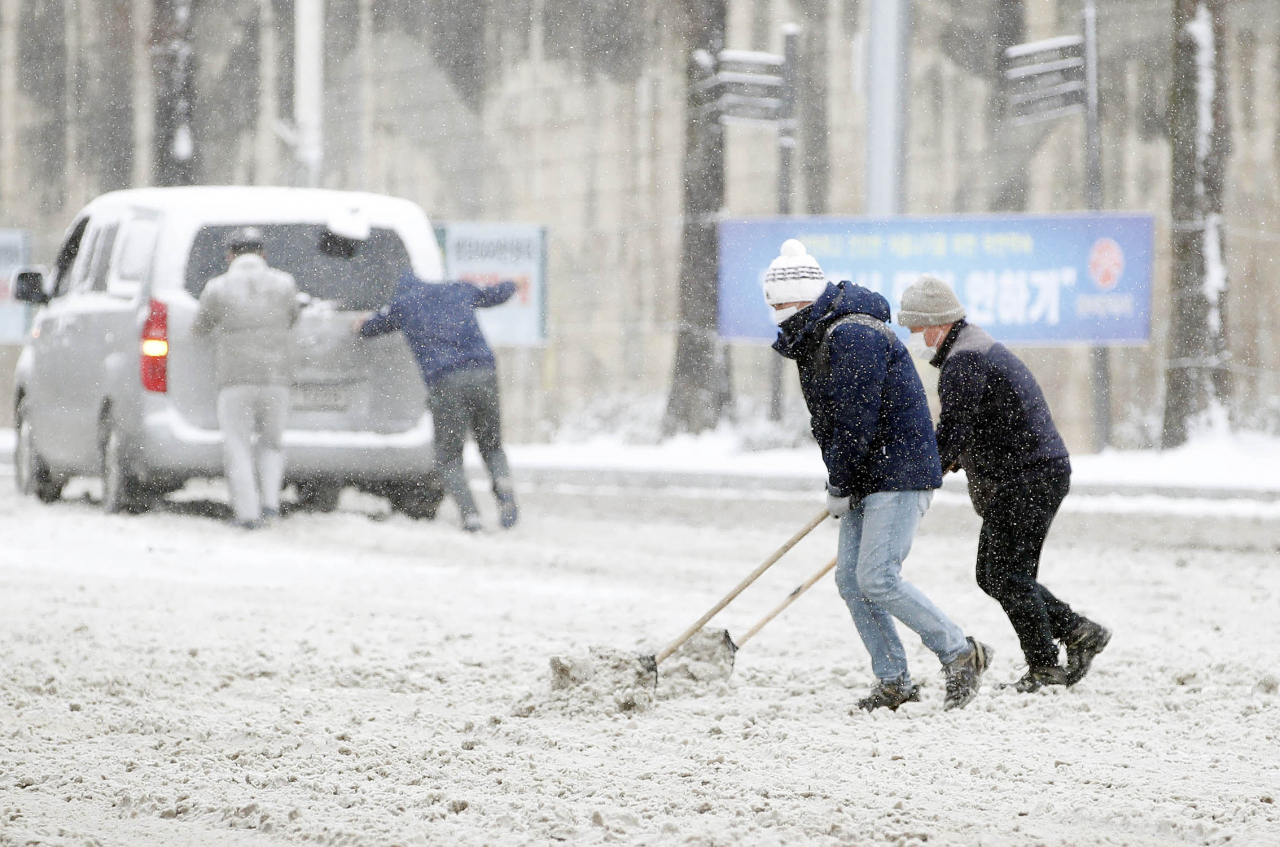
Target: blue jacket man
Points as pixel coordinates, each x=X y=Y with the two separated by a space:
x=996 y=425
x=869 y=412
x=438 y=320
x=871 y=419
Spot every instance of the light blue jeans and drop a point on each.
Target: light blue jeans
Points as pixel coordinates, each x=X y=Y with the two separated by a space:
x=875 y=536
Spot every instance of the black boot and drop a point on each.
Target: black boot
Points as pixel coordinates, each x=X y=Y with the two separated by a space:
x=1038 y=676
x=890 y=694
x=1085 y=641
x=964 y=674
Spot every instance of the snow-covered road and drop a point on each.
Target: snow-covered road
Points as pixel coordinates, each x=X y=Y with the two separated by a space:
x=359 y=678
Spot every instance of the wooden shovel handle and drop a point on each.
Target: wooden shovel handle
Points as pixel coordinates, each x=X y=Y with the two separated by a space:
x=752 y=577
x=791 y=598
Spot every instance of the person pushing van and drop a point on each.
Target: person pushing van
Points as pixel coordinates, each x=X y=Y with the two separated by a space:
x=249 y=311
x=438 y=320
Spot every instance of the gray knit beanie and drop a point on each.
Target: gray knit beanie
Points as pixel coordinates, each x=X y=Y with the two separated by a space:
x=929 y=302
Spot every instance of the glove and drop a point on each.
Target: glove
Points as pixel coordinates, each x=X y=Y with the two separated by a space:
x=837 y=505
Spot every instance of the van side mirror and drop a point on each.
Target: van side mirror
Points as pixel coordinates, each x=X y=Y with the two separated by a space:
x=29 y=287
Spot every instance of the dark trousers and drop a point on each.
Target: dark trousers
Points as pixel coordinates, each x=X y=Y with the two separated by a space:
x=461 y=401
x=1015 y=522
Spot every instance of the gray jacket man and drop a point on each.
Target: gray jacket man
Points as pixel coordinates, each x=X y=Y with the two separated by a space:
x=249 y=312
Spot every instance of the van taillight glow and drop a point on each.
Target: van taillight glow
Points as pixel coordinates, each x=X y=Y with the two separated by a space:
x=155 y=348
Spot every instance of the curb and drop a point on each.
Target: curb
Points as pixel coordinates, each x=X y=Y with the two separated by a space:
x=542 y=475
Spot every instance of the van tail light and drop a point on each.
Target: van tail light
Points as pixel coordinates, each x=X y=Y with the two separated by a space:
x=155 y=348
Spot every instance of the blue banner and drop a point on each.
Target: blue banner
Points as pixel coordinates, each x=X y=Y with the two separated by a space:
x=1027 y=279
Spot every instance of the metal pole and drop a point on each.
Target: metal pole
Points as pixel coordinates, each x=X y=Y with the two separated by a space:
x=887 y=51
x=9 y=170
x=786 y=150
x=1099 y=356
x=308 y=87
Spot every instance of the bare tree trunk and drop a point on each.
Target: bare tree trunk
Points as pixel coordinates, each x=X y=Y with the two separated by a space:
x=699 y=390
x=174 y=154
x=1197 y=376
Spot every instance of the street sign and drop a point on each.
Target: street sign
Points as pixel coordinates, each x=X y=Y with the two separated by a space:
x=747 y=87
x=1074 y=278
x=1045 y=79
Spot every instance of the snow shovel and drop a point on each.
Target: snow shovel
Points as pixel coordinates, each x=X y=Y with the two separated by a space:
x=651 y=662
x=791 y=598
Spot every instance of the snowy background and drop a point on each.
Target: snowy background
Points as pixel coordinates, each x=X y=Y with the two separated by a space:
x=360 y=678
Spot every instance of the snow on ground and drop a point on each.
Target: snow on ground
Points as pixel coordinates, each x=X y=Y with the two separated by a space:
x=359 y=678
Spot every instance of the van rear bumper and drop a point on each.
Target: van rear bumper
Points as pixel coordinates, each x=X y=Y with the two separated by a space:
x=172 y=447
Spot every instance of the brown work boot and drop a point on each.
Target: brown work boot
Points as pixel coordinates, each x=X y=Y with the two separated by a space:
x=964 y=674
x=890 y=694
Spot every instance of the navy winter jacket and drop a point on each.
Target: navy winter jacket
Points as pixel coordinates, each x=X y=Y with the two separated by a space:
x=995 y=421
x=438 y=320
x=868 y=406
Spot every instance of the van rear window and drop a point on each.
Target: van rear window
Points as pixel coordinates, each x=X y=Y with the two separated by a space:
x=366 y=281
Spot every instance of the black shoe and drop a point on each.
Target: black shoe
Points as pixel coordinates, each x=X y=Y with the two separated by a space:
x=508 y=514
x=964 y=674
x=890 y=694
x=1038 y=677
x=1085 y=641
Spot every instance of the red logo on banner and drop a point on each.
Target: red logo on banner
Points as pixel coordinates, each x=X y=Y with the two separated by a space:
x=1106 y=263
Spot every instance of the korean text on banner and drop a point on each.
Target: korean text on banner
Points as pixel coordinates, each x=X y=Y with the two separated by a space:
x=1027 y=279
x=486 y=254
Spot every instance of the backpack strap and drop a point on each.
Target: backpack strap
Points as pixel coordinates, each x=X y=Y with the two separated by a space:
x=822 y=358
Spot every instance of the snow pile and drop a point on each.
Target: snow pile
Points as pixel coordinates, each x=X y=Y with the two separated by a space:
x=702 y=665
x=602 y=681
x=1229 y=461
x=1211 y=462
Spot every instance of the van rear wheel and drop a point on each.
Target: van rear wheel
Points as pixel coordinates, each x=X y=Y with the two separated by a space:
x=121 y=490
x=319 y=495
x=30 y=473
x=418 y=498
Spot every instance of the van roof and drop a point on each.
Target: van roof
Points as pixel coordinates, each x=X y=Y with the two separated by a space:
x=236 y=202
x=187 y=209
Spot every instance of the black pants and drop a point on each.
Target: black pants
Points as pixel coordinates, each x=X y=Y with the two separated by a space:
x=1015 y=522
x=462 y=400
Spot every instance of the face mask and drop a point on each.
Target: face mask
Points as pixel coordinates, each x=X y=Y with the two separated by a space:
x=918 y=348
x=780 y=315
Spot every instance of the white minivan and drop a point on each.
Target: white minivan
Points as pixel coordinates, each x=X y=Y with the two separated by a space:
x=111 y=381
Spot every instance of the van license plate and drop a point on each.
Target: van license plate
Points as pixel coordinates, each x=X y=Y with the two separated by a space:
x=320 y=397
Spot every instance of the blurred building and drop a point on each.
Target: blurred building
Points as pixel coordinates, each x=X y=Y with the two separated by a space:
x=570 y=113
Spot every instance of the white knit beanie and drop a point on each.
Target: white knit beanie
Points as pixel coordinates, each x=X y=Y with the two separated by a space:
x=929 y=302
x=793 y=277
